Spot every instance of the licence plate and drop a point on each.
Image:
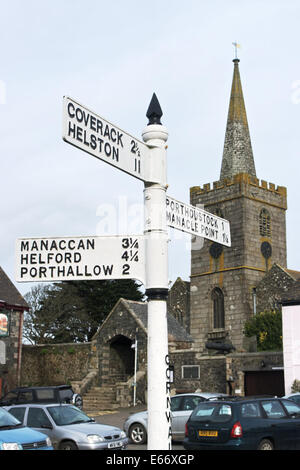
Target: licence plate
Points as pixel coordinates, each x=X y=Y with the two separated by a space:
x=208 y=433
x=113 y=445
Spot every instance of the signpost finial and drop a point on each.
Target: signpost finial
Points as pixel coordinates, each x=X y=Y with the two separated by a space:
x=154 y=112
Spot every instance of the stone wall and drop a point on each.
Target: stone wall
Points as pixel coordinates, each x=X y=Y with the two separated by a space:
x=11 y=351
x=179 y=302
x=221 y=373
x=212 y=377
x=66 y=363
x=238 y=364
x=271 y=288
x=56 y=364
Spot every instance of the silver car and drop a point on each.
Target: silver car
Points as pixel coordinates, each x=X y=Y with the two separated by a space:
x=182 y=406
x=69 y=428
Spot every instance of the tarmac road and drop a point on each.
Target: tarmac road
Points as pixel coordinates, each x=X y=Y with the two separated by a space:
x=117 y=418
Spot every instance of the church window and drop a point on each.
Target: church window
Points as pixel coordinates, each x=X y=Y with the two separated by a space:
x=190 y=372
x=218 y=308
x=265 y=223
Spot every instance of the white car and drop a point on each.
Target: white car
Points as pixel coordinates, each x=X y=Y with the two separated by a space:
x=182 y=406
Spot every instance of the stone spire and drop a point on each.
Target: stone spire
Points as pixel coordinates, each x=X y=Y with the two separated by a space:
x=237 y=153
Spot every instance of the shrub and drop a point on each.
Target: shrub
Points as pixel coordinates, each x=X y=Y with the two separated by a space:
x=267 y=327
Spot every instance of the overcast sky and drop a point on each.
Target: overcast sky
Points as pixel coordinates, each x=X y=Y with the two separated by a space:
x=111 y=57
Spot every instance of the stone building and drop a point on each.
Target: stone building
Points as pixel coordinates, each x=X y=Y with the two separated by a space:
x=125 y=326
x=12 y=307
x=230 y=284
x=224 y=278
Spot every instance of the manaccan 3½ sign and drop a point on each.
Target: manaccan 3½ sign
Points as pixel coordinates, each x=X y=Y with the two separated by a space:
x=80 y=258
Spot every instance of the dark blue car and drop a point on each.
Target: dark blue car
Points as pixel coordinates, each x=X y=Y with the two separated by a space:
x=244 y=423
x=15 y=436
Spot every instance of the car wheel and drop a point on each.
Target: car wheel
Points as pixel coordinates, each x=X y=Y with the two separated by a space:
x=68 y=445
x=137 y=433
x=266 y=444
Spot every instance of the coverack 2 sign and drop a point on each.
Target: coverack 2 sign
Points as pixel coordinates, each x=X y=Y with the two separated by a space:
x=95 y=135
x=80 y=258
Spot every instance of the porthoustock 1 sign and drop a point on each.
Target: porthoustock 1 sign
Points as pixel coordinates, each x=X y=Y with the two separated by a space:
x=197 y=221
x=80 y=258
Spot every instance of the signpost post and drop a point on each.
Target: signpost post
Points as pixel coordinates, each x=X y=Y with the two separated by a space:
x=155 y=231
x=143 y=257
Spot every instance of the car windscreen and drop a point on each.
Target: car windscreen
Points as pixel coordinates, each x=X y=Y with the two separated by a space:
x=6 y=419
x=212 y=412
x=64 y=415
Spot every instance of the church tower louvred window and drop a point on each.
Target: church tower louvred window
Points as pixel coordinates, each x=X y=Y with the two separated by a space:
x=265 y=223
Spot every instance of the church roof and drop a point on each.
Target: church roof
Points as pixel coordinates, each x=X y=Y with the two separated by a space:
x=294 y=274
x=292 y=296
x=175 y=331
x=9 y=294
x=237 y=153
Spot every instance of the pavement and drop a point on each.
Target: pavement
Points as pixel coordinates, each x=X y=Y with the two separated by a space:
x=117 y=418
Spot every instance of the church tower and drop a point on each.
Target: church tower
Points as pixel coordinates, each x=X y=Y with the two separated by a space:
x=223 y=279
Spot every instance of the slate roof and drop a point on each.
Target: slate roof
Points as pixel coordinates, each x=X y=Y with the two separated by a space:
x=292 y=295
x=9 y=294
x=295 y=274
x=175 y=331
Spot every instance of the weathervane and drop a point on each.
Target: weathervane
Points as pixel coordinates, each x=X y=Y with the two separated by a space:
x=236 y=46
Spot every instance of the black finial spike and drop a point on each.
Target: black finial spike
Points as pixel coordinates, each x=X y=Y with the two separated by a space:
x=154 y=112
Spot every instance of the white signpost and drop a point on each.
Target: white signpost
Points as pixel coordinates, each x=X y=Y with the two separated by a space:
x=142 y=257
x=197 y=221
x=80 y=258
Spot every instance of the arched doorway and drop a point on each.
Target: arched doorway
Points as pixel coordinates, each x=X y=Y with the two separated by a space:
x=121 y=358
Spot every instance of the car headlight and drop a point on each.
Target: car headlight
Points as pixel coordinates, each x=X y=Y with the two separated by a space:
x=123 y=434
x=10 y=446
x=48 y=442
x=94 y=438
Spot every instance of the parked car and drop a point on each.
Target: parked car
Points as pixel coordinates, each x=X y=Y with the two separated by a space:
x=51 y=394
x=244 y=423
x=293 y=396
x=14 y=436
x=182 y=406
x=69 y=428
